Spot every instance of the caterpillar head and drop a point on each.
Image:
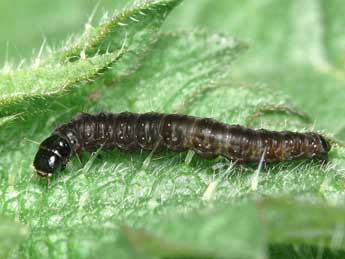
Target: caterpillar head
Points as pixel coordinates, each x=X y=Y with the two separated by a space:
x=52 y=156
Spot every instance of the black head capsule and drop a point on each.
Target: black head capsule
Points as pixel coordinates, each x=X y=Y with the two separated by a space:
x=52 y=155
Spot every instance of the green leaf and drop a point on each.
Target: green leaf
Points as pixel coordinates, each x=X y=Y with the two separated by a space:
x=19 y=89
x=303 y=223
x=182 y=67
x=4 y=120
x=138 y=189
x=67 y=203
x=175 y=205
x=229 y=232
x=119 y=44
x=220 y=233
x=11 y=235
x=136 y=26
x=297 y=47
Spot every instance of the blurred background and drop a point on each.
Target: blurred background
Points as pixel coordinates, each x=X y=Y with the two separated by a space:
x=296 y=46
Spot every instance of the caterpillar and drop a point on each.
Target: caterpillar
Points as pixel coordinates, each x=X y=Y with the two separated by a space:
x=154 y=131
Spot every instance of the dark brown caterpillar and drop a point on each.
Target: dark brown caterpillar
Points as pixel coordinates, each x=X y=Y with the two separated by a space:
x=154 y=131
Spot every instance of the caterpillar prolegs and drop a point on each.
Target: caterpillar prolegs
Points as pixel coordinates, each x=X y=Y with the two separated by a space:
x=155 y=131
